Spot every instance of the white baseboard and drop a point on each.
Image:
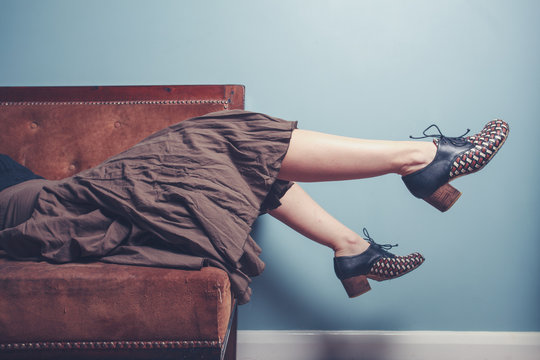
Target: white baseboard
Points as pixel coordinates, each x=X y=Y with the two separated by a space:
x=387 y=345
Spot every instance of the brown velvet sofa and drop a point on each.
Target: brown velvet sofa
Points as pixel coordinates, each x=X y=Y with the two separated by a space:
x=98 y=310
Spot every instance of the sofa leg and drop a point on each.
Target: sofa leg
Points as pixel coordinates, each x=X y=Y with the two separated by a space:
x=230 y=350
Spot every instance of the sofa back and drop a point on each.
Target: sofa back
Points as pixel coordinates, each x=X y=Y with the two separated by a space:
x=60 y=131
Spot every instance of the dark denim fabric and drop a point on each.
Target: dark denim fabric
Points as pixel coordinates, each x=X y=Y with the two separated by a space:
x=12 y=173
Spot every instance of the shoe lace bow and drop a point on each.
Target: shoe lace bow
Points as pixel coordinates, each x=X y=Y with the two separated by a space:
x=369 y=239
x=456 y=141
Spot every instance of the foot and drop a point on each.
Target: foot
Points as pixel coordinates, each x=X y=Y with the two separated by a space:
x=455 y=157
x=374 y=263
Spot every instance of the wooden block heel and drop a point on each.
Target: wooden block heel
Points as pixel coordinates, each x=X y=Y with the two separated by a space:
x=444 y=197
x=356 y=286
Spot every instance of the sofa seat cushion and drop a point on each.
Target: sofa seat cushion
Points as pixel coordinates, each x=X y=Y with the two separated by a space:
x=97 y=302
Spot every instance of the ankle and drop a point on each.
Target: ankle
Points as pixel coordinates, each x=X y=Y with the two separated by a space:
x=351 y=246
x=420 y=156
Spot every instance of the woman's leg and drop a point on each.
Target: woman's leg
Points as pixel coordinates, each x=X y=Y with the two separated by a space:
x=314 y=156
x=299 y=211
x=355 y=259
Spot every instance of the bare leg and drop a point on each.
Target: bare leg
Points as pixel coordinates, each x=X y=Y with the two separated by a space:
x=303 y=214
x=314 y=156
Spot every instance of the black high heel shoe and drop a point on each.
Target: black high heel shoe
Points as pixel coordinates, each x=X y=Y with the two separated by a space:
x=456 y=156
x=375 y=263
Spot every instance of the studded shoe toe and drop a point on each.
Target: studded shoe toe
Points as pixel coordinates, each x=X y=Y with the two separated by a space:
x=376 y=264
x=456 y=156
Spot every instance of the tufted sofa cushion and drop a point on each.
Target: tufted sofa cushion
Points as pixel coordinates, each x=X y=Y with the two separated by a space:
x=65 y=130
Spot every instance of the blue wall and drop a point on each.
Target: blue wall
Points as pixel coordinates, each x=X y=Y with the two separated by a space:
x=373 y=69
